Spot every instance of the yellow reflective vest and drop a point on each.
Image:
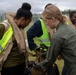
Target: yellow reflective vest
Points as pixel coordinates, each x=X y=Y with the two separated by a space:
x=6 y=37
x=44 y=39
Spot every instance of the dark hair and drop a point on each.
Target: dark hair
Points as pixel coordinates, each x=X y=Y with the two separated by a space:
x=47 y=5
x=71 y=13
x=26 y=6
x=24 y=11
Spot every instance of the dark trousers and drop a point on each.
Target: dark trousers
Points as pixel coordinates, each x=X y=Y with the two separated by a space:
x=16 y=70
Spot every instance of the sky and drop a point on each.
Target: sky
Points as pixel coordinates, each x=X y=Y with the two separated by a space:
x=37 y=5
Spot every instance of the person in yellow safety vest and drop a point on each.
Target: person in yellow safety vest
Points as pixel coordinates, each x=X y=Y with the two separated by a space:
x=12 y=41
x=40 y=31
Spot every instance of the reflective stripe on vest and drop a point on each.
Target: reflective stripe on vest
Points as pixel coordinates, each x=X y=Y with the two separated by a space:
x=6 y=37
x=44 y=39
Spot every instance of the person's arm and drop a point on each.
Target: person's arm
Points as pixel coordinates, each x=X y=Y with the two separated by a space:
x=34 y=31
x=2 y=29
x=52 y=54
